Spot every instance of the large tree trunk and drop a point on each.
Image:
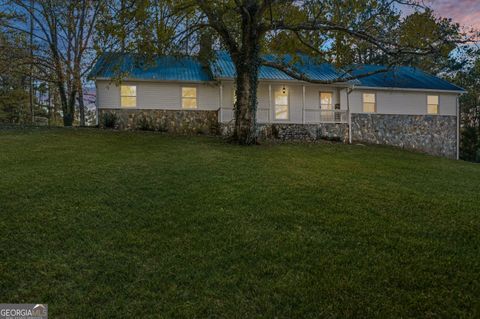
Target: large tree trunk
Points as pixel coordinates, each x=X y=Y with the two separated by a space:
x=245 y=131
x=49 y=105
x=71 y=107
x=67 y=99
x=68 y=104
x=67 y=116
x=247 y=64
x=81 y=105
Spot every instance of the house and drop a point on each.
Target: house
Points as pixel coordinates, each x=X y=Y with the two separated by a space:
x=403 y=106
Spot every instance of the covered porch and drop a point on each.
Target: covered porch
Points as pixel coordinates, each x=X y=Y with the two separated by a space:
x=290 y=103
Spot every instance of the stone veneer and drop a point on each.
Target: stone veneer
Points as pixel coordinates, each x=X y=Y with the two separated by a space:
x=296 y=132
x=432 y=134
x=172 y=121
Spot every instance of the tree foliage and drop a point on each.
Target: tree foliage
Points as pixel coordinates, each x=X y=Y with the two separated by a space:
x=147 y=27
x=469 y=79
x=62 y=33
x=14 y=99
x=440 y=35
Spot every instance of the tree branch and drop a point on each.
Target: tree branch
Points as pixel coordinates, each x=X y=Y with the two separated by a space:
x=345 y=77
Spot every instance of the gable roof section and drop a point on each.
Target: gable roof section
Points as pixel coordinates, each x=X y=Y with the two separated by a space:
x=164 y=68
x=402 y=77
x=190 y=69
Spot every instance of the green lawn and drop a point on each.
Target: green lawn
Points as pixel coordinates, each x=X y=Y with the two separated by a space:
x=132 y=224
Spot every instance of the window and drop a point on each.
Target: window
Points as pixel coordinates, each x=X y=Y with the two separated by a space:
x=281 y=104
x=128 y=96
x=189 y=97
x=432 y=104
x=326 y=101
x=369 y=103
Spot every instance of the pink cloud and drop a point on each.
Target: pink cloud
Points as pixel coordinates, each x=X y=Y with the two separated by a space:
x=465 y=12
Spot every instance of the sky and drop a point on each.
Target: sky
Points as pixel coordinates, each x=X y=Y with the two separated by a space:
x=465 y=12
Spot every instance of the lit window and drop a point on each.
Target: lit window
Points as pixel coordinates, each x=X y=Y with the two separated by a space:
x=326 y=101
x=189 y=98
x=432 y=104
x=369 y=103
x=281 y=104
x=128 y=96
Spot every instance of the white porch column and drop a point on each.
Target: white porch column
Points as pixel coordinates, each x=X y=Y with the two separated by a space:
x=269 y=102
x=303 y=104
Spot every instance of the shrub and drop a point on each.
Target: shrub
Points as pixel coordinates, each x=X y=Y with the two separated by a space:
x=109 y=120
x=162 y=126
x=214 y=128
x=144 y=123
x=469 y=144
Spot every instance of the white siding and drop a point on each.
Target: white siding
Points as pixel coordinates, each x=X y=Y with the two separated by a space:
x=208 y=96
x=155 y=95
x=161 y=95
x=226 y=113
x=403 y=102
x=263 y=108
x=108 y=95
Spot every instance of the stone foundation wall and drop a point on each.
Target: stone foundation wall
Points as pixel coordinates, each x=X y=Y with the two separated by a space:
x=296 y=132
x=172 y=121
x=432 y=134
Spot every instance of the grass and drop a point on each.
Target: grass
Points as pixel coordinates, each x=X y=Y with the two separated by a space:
x=119 y=224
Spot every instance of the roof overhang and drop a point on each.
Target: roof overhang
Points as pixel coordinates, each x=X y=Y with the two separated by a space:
x=336 y=84
x=407 y=89
x=152 y=80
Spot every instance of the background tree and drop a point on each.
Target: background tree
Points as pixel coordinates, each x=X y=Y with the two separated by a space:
x=440 y=36
x=63 y=32
x=14 y=101
x=469 y=79
x=146 y=27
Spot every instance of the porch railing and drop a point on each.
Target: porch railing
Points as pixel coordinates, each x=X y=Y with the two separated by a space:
x=309 y=116
x=313 y=116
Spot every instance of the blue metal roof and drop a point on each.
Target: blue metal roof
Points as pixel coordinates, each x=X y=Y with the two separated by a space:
x=223 y=68
x=403 y=77
x=170 y=68
x=165 y=68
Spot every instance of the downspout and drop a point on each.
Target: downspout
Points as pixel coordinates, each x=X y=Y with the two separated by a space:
x=269 y=102
x=220 y=101
x=458 y=127
x=303 y=104
x=97 y=120
x=349 y=90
